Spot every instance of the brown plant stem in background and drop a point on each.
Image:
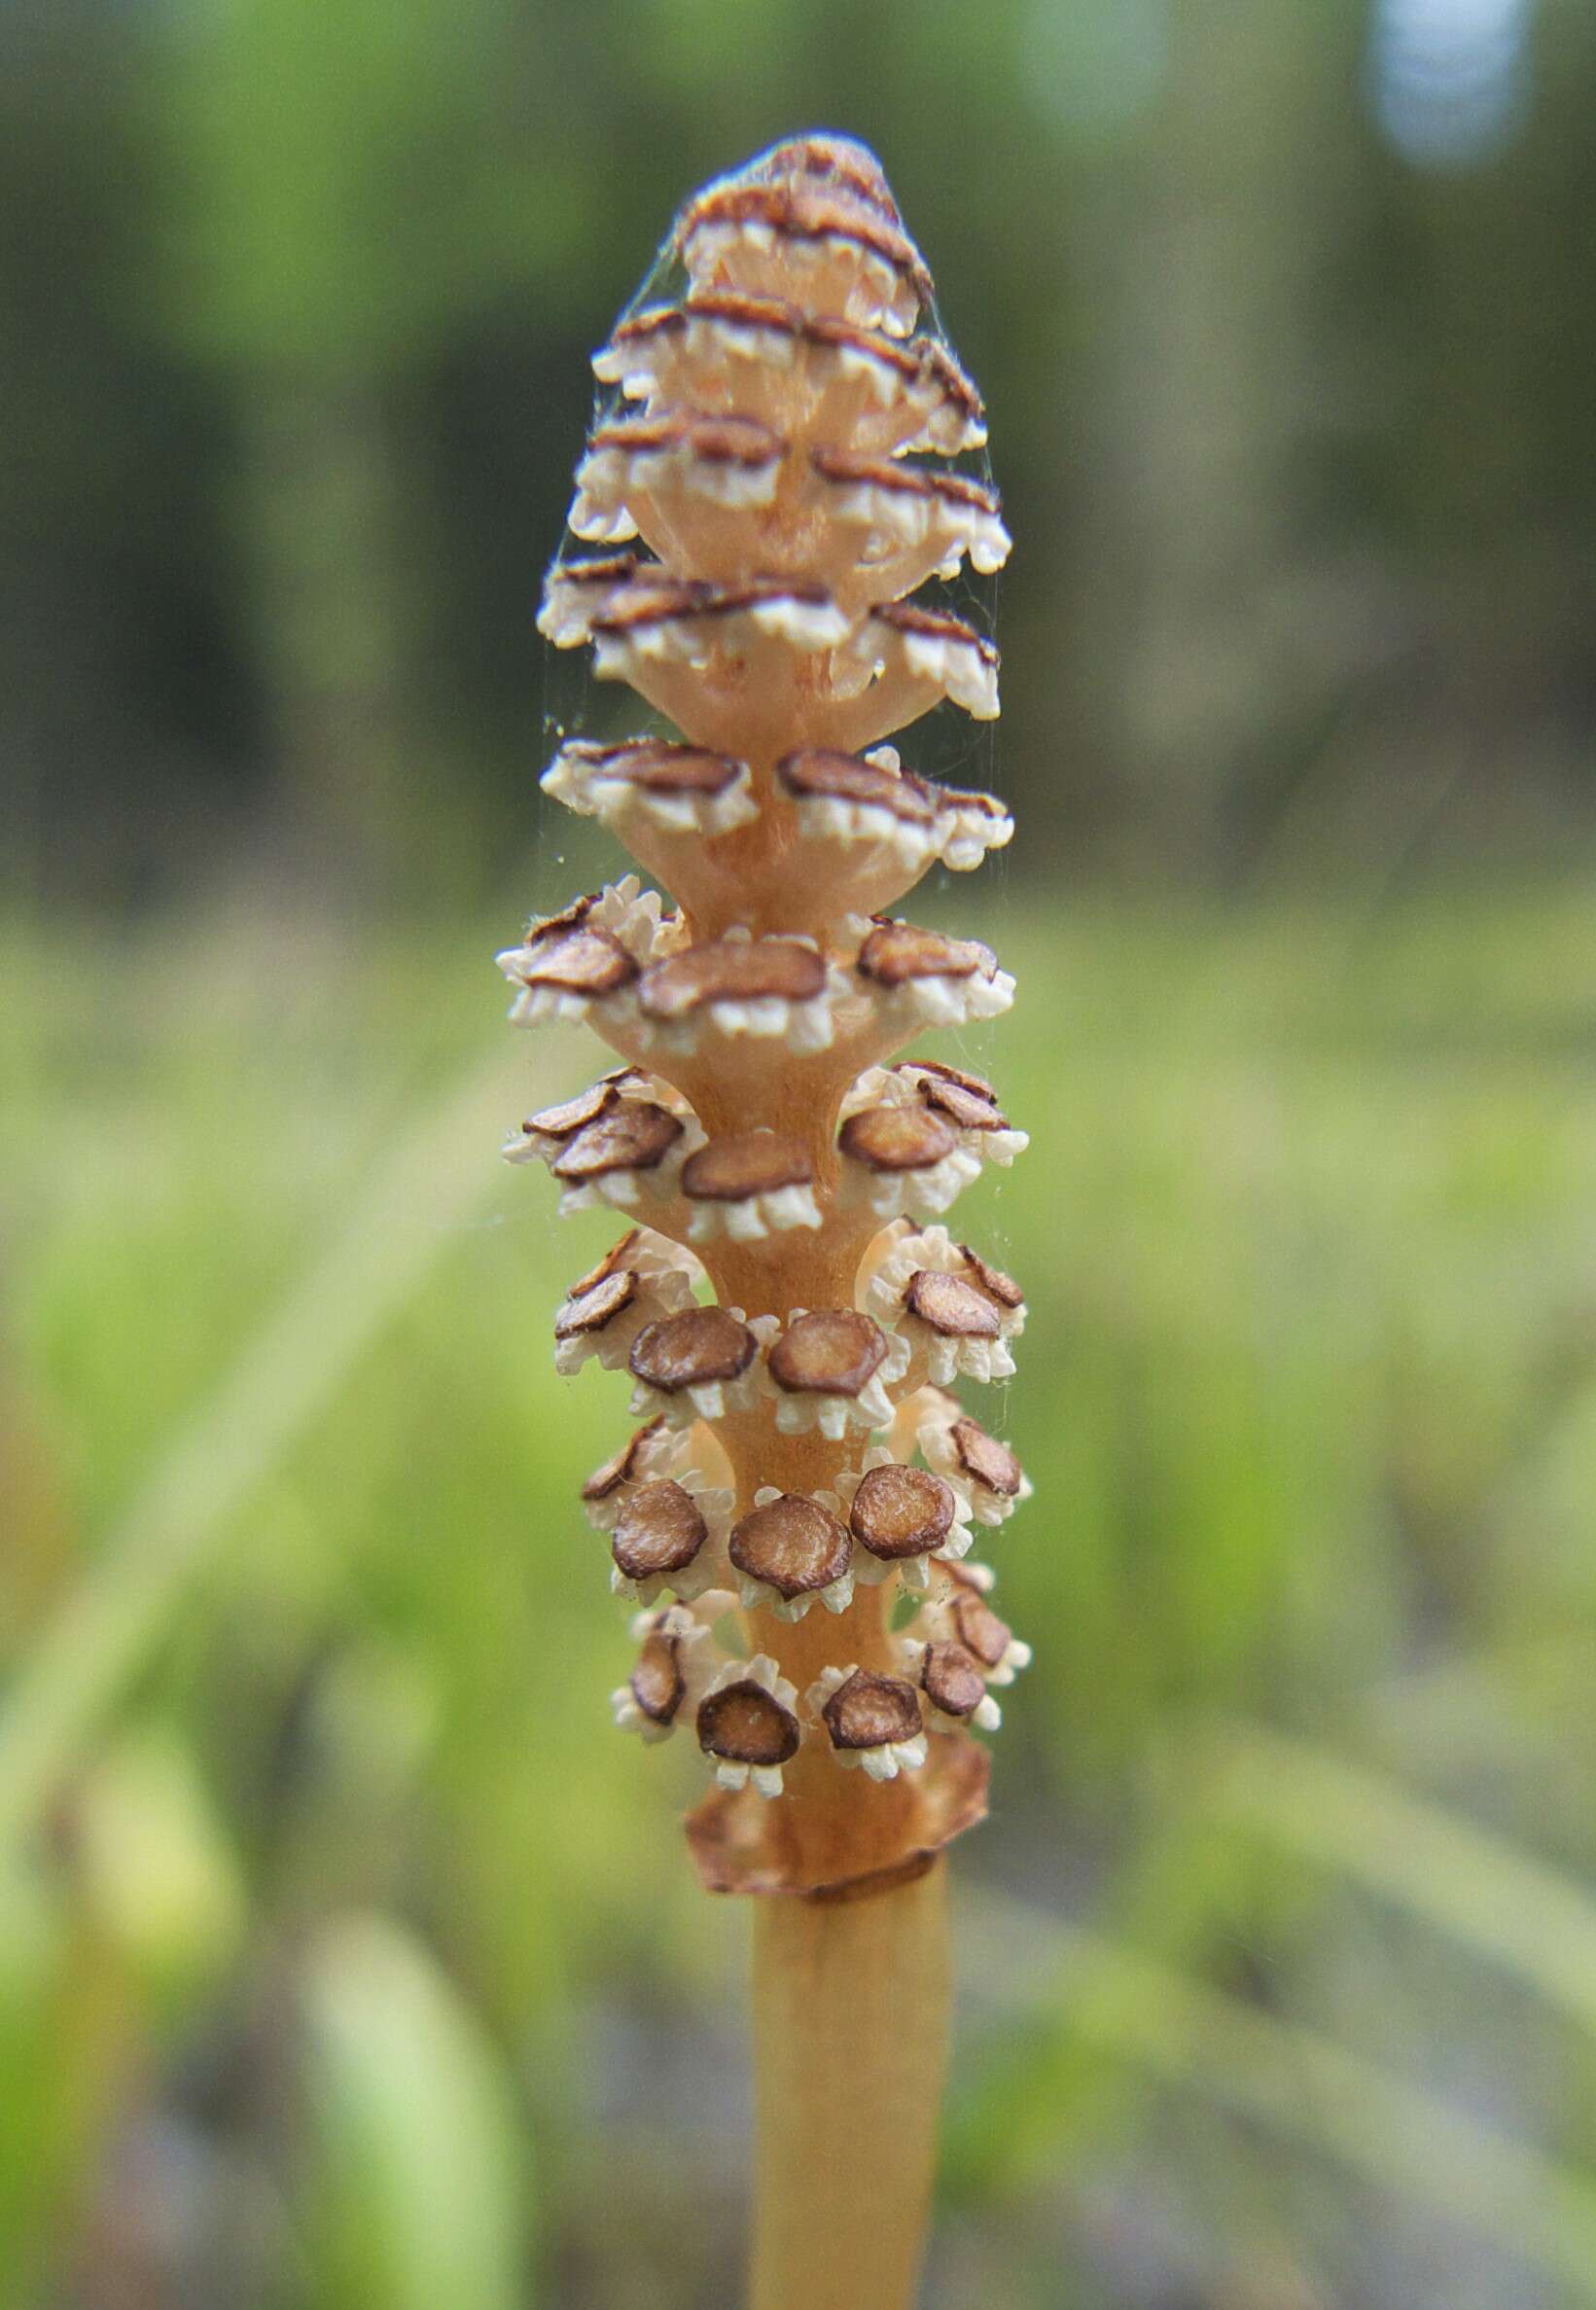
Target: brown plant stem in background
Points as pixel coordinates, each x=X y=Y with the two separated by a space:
x=795 y=1513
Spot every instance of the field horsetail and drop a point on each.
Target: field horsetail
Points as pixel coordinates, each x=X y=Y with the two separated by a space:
x=778 y=470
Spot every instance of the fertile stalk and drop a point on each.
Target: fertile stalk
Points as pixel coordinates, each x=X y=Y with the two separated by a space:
x=769 y=486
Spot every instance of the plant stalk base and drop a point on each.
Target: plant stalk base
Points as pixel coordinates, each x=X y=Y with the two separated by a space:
x=850 y=2049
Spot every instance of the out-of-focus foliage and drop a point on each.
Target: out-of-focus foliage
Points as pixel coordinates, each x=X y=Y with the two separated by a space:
x=411 y=2133
x=298 y=299
x=348 y=1960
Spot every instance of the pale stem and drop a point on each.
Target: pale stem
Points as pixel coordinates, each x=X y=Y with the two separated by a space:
x=850 y=2049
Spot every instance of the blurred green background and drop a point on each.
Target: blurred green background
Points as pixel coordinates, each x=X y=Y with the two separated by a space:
x=347 y=1960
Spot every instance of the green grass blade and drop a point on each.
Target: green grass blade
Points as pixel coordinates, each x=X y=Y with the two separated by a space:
x=400 y=1221
x=1476 y=1888
x=417 y=2188
x=1071 y=1987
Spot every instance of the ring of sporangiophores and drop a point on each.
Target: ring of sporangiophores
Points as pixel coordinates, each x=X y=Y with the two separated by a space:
x=768 y=484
